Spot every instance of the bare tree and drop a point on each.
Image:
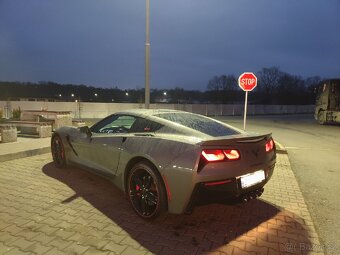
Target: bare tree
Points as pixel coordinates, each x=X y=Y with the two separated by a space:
x=269 y=78
x=312 y=81
x=223 y=82
x=230 y=82
x=214 y=84
x=289 y=90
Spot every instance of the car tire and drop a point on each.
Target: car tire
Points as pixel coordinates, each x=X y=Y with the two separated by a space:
x=146 y=191
x=58 y=151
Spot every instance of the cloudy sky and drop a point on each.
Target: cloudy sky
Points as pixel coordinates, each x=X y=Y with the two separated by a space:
x=101 y=42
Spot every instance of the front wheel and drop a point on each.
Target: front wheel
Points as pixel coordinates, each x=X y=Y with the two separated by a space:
x=58 y=152
x=146 y=191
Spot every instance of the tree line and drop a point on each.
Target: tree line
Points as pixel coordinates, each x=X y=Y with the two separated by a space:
x=274 y=87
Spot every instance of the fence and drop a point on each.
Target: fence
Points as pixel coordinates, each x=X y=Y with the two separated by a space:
x=100 y=110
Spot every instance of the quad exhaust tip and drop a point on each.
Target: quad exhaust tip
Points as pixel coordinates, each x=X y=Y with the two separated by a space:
x=252 y=195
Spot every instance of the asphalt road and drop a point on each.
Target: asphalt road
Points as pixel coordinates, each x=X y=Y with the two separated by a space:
x=314 y=154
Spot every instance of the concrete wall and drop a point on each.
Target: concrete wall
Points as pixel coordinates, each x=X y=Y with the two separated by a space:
x=100 y=110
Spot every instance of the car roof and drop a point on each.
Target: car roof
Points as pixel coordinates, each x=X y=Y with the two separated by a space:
x=149 y=112
x=176 y=128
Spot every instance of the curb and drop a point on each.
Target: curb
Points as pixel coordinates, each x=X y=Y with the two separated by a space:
x=280 y=149
x=24 y=154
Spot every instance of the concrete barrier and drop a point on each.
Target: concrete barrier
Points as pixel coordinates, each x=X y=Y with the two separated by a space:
x=44 y=131
x=99 y=110
x=62 y=120
x=8 y=133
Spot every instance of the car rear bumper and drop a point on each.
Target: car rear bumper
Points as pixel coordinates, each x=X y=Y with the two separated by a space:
x=226 y=190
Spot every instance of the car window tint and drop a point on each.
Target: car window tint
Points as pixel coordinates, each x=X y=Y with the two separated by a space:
x=96 y=127
x=114 y=124
x=144 y=125
x=199 y=123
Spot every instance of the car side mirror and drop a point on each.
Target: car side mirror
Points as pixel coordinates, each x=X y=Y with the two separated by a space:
x=85 y=130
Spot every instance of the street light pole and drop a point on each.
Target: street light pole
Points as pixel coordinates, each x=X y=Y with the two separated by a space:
x=147 y=56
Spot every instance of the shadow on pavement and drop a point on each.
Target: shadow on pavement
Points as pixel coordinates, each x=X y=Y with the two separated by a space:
x=254 y=226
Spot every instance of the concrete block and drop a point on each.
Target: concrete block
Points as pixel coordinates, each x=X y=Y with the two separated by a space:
x=45 y=131
x=78 y=123
x=8 y=134
x=62 y=120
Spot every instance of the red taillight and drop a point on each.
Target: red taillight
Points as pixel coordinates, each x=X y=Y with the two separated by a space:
x=232 y=154
x=269 y=145
x=213 y=155
x=219 y=155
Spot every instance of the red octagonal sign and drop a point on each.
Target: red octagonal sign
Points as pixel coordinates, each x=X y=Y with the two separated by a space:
x=247 y=81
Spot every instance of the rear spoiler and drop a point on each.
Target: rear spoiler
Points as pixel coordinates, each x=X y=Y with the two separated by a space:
x=223 y=141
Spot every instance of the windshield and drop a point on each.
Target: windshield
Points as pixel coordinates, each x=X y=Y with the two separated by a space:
x=199 y=123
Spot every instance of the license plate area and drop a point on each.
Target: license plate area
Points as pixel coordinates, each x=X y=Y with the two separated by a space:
x=252 y=179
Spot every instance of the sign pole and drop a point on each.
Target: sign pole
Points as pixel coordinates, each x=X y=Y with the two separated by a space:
x=245 y=111
x=247 y=82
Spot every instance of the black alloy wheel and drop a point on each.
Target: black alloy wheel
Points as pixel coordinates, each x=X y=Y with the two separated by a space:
x=146 y=191
x=58 y=152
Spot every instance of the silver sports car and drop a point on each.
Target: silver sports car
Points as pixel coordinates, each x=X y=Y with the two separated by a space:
x=167 y=160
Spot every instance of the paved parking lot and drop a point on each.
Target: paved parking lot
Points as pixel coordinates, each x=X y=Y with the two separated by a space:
x=45 y=210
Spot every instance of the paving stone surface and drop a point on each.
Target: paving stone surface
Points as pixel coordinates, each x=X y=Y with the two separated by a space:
x=45 y=210
x=24 y=147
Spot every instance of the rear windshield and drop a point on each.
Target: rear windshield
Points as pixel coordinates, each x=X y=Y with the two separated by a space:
x=199 y=123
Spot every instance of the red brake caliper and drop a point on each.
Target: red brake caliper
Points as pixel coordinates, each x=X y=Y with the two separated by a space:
x=137 y=189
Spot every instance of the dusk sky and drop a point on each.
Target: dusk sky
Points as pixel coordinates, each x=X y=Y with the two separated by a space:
x=101 y=42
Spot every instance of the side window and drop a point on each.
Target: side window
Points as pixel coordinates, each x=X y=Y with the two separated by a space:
x=142 y=125
x=114 y=124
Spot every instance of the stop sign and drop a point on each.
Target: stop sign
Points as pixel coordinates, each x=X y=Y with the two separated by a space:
x=247 y=81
